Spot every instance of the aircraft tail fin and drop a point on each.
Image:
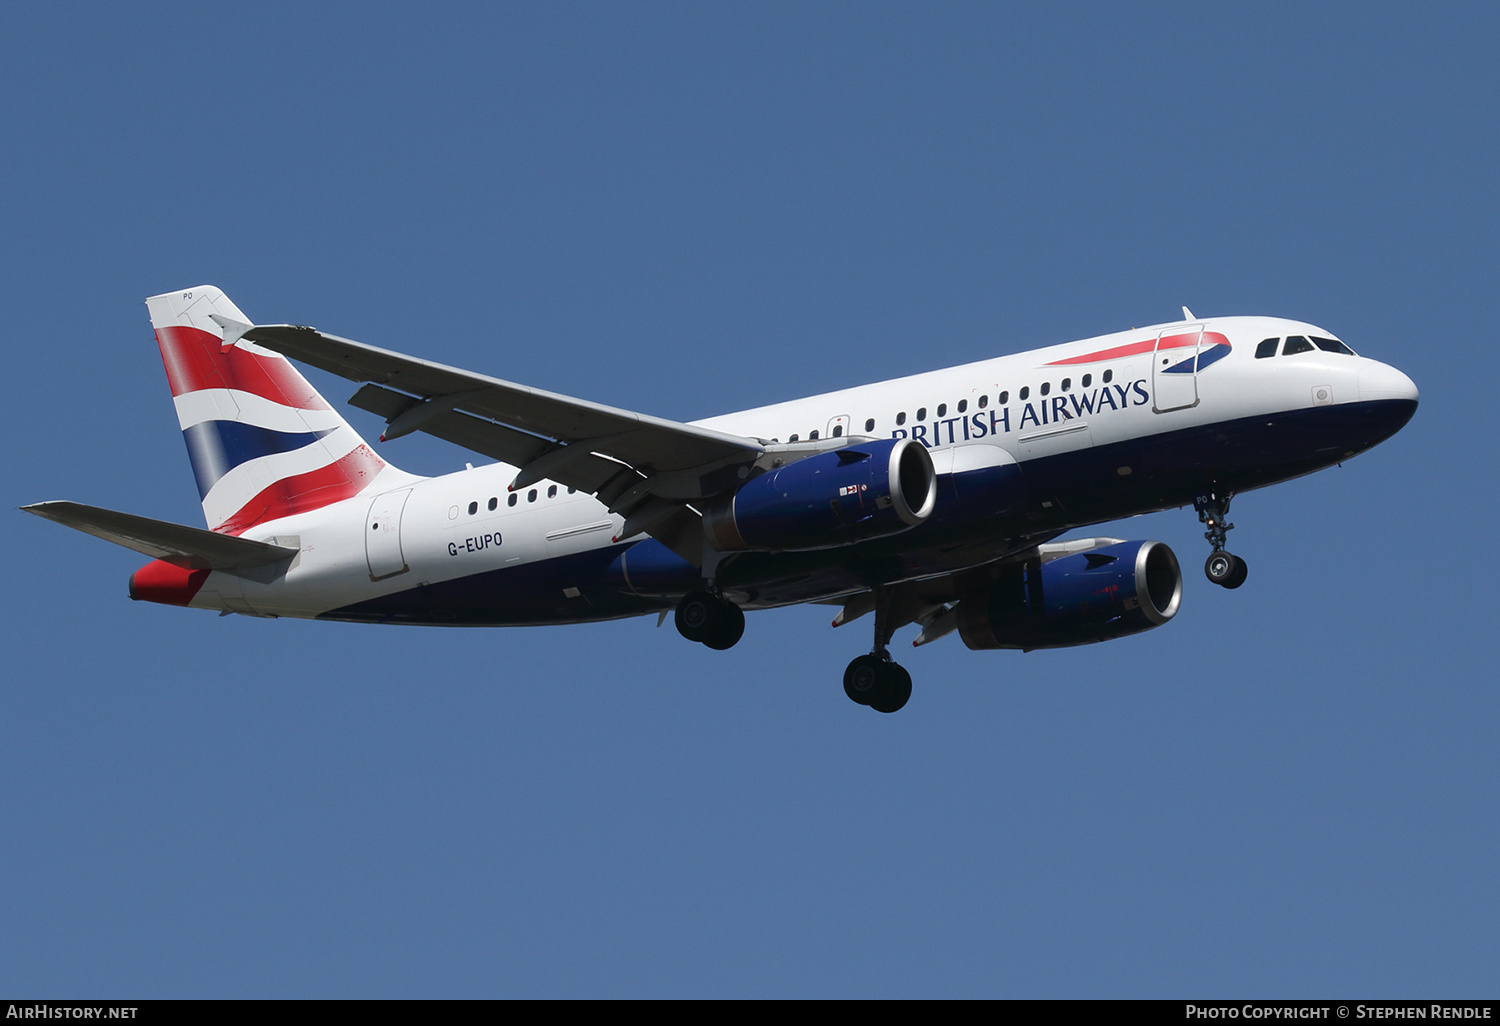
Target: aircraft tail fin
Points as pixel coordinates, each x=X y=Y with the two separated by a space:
x=263 y=443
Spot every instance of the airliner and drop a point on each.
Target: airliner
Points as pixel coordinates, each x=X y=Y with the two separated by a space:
x=937 y=500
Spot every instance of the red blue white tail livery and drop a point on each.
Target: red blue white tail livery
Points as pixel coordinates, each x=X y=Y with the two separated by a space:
x=937 y=500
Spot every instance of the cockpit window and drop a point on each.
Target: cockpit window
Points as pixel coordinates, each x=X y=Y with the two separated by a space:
x=1267 y=348
x=1296 y=344
x=1332 y=345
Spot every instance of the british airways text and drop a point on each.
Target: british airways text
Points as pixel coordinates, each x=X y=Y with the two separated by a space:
x=1052 y=410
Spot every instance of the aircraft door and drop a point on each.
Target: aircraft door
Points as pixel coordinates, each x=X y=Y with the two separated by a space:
x=1174 y=369
x=838 y=427
x=383 y=535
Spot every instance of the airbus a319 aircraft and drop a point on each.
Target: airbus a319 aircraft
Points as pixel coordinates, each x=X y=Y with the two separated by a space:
x=936 y=500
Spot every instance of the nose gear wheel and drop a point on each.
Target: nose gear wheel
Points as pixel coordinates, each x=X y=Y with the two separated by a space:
x=1225 y=569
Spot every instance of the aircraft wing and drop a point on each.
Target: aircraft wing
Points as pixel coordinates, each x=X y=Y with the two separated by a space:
x=645 y=468
x=190 y=547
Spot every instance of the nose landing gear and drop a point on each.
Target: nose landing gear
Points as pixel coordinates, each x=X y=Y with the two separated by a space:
x=1222 y=567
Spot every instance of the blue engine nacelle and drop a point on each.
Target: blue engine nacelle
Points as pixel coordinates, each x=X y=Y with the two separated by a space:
x=831 y=499
x=1078 y=599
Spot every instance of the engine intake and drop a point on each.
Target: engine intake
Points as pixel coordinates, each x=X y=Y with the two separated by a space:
x=1077 y=599
x=831 y=499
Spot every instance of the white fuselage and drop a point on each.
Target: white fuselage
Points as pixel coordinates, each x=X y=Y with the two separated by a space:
x=1007 y=411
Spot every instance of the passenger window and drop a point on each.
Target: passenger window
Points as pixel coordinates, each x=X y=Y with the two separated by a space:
x=921 y=413
x=963 y=404
x=794 y=438
x=531 y=495
x=473 y=508
x=1267 y=348
x=942 y=409
x=812 y=436
x=1332 y=345
x=512 y=500
x=1025 y=391
x=1109 y=376
x=1088 y=379
x=838 y=431
x=900 y=418
x=571 y=489
x=552 y=491
x=870 y=425
x=1296 y=344
x=1046 y=387
x=494 y=502
x=1004 y=398
x=984 y=401
x=1067 y=384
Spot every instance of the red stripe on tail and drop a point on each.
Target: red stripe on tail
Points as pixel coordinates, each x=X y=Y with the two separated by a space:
x=195 y=360
x=313 y=490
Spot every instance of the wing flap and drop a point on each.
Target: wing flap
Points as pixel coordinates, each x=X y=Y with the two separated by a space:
x=190 y=547
x=576 y=466
x=487 y=438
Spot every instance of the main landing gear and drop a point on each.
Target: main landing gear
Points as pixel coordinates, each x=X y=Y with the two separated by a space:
x=875 y=680
x=1222 y=567
x=710 y=618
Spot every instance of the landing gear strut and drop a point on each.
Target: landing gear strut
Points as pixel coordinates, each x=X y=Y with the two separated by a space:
x=710 y=618
x=1223 y=568
x=874 y=679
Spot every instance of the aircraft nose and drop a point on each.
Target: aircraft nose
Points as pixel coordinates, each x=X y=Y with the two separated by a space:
x=1381 y=381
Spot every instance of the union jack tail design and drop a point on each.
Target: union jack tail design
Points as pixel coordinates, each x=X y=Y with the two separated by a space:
x=263 y=444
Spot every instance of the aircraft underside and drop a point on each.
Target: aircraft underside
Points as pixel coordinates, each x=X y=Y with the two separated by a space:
x=1046 y=498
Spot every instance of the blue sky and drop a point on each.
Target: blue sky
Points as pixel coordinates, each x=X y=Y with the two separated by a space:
x=1290 y=790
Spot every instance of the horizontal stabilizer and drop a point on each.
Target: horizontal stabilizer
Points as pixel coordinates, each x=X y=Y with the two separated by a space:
x=190 y=547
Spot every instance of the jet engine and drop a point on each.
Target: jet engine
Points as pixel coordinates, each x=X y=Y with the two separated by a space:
x=831 y=499
x=1075 y=599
